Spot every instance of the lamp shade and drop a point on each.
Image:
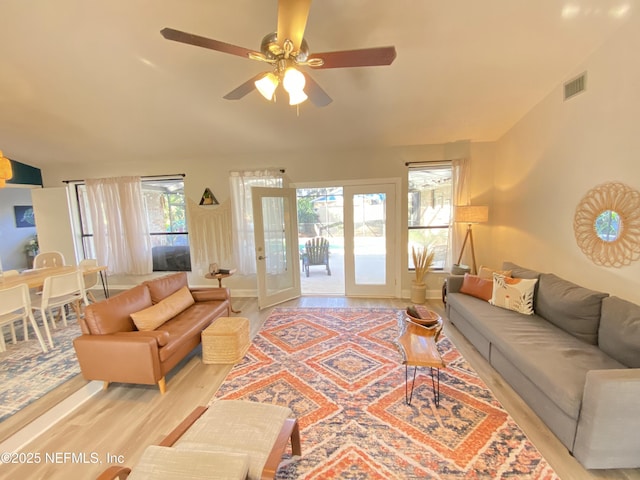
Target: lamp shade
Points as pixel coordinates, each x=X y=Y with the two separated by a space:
x=471 y=214
x=6 y=172
x=267 y=85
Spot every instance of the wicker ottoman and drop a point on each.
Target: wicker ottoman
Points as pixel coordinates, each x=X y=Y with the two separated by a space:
x=226 y=340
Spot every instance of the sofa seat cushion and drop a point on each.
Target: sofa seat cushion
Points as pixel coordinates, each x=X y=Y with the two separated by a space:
x=555 y=361
x=189 y=323
x=573 y=308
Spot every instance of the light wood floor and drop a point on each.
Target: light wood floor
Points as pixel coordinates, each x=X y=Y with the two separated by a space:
x=123 y=420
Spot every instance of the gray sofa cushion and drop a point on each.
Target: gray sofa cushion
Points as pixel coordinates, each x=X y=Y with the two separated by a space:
x=520 y=272
x=619 y=333
x=573 y=308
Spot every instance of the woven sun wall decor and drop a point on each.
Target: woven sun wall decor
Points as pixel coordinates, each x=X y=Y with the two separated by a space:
x=607 y=224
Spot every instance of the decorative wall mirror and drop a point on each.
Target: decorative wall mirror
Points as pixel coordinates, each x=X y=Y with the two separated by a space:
x=607 y=224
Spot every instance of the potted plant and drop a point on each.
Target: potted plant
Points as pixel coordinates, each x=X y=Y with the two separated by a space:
x=422 y=261
x=31 y=248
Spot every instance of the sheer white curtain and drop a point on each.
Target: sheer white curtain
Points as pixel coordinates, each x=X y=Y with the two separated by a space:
x=120 y=229
x=243 y=240
x=460 y=181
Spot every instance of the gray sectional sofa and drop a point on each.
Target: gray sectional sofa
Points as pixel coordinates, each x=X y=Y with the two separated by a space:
x=575 y=362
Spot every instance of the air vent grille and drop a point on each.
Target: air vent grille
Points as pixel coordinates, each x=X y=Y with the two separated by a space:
x=575 y=86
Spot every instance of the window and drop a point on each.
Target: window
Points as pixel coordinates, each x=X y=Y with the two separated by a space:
x=430 y=209
x=166 y=217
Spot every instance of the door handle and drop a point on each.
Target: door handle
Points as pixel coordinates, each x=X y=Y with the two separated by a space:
x=260 y=257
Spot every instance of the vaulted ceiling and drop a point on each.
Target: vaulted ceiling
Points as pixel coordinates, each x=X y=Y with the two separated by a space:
x=86 y=81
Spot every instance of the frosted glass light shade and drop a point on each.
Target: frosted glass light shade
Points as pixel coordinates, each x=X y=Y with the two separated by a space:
x=295 y=98
x=471 y=214
x=293 y=80
x=267 y=85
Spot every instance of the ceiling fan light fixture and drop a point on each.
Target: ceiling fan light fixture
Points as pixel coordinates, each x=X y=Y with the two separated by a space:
x=267 y=85
x=293 y=80
x=297 y=97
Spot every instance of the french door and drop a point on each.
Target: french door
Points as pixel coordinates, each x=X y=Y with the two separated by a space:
x=276 y=240
x=370 y=245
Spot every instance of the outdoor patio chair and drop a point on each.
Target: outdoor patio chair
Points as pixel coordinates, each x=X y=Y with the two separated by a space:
x=316 y=253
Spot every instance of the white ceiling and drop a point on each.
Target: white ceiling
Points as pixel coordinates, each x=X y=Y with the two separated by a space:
x=88 y=80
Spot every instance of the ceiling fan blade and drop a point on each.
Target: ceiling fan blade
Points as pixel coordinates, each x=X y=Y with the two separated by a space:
x=198 y=41
x=316 y=94
x=244 y=89
x=292 y=21
x=366 y=57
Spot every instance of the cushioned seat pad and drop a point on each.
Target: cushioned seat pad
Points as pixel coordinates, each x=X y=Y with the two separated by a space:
x=238 y=426
x=551 y=358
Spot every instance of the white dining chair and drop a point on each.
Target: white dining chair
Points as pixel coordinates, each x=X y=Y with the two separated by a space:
x=90 y=279
x=15 y=304
x=58 y=291
x=48 y=259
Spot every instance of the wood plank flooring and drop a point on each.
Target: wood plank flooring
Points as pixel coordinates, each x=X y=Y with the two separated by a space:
x=119 y=423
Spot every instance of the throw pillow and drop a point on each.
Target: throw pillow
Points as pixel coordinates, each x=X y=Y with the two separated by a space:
x=154 y=316
x=513 y=293
x=487 y=273
x=477 y=287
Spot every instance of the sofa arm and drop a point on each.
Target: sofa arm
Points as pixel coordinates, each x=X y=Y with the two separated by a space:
x=209 y=294
x=454 y=283
x=609 y=421
x=118 y=358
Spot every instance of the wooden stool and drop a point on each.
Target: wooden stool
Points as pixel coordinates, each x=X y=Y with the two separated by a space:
x=225 y=341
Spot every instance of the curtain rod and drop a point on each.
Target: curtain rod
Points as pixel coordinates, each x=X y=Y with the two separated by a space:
x=142 y=176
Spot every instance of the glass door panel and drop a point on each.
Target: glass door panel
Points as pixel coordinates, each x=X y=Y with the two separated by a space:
x=278 y=272
x=370 y=240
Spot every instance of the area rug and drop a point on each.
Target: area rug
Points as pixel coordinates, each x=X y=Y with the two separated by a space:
x=341 y=374
x=27 y=373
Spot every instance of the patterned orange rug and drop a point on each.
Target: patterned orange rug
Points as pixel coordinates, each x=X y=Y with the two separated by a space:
x=340 y=372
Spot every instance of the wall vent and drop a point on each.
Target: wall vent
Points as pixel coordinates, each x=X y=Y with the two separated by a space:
x=575 y=86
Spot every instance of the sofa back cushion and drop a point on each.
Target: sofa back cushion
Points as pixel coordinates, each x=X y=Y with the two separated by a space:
x=162 y=287
x=114 y=314
x=619 y=333
x=520 y=272
x=573 y=308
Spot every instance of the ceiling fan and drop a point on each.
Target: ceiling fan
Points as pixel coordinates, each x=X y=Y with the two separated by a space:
x=287 y=50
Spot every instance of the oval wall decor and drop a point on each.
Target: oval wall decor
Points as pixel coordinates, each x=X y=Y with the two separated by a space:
x=607 y=224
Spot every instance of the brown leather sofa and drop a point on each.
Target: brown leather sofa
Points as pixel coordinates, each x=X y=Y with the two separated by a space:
x=112 y=349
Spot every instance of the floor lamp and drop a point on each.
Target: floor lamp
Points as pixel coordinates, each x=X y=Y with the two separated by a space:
x=470 y=214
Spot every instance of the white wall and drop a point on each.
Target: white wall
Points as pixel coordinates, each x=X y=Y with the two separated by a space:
x=560 y=150
x=12 y=239
x=301 y=167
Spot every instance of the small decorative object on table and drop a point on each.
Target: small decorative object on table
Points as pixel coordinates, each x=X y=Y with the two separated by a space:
x=422 y=315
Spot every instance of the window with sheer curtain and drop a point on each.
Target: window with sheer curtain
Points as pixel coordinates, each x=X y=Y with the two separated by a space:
x=434 y=189
x=241 y=183
x=120 y=230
